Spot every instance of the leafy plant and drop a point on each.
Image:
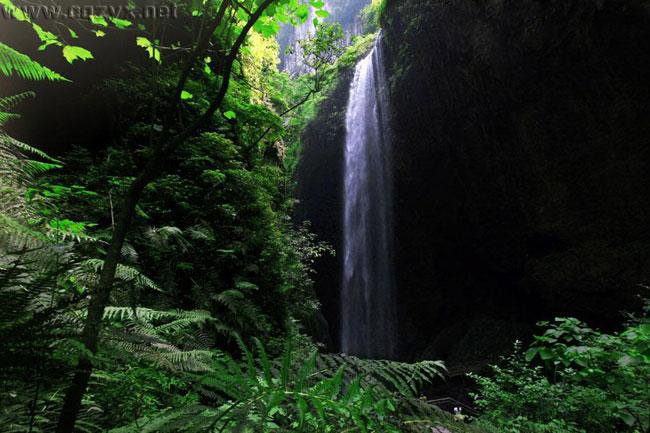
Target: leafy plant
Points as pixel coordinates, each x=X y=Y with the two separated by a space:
x=587 y=380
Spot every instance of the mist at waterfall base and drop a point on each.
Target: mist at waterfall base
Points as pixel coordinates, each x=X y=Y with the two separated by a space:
x=368 y=287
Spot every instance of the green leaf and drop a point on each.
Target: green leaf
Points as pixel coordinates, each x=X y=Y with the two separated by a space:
x=141 y=213
x=149 y=47
x=322 y=13
x=99 y=33
x=302 y=410
x=72 y=53
x=98 y=20
x=245 y=285
x=143 y=42
x=302 y=12
x=185 y=95
x=267 y=27
x=229 y=115
x=531 y=353
x=120 y=23
x=627 y=418
x=545 y=354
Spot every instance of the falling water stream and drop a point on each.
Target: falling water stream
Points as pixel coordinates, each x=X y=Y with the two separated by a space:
x=368 y=298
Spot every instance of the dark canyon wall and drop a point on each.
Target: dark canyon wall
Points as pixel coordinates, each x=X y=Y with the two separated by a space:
x=320 y=201
x=522 y=167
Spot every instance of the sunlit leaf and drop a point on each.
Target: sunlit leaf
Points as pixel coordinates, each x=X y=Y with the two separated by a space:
x=120 y=23
x=72 y=53
x=98 y=20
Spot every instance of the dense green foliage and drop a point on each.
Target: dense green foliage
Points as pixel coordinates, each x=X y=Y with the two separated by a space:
x=209 y=318
x=310 y=393
x=372 y=15
x=584 y=381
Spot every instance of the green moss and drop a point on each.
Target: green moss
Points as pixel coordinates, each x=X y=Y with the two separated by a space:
x=360 y=47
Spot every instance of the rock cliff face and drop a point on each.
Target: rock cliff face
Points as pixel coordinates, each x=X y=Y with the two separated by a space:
x=320 y=190
x=345 y=12
x=522 y=162
x=522 y=168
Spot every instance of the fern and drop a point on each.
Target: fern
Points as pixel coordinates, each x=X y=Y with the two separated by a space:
x=161 y=237
x=8 y=102
x=319 y=393
x=404 y=378
x=162 y=337
x=19 y=226
x=17 y=147
x=243 y=312
x=13 y=62
x=125 y=273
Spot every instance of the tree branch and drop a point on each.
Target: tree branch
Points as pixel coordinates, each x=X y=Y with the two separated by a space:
x=201 y=45
x=284 y=113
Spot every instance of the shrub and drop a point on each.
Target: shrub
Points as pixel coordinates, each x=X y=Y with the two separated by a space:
x=581 y=380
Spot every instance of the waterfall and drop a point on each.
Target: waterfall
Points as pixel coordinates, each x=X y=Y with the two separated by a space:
x=292 y=62
x=345 y=12
x=368 y=298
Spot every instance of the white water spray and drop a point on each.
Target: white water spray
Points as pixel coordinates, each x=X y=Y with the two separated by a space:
x=368 y=288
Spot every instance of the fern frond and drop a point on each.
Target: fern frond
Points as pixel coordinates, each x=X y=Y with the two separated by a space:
x=10 y=144
x=186 y=360
x=14 y=62
x=140 y=313
x=150 y=334
x=19 y=235
x=35 y=168
x=8 y=102
x=129 y=253
x=189 y=419
x=401 y=377
x=4 y=117
x=161 y=236
x=244 y=311
x=188 y=319
x=123 y=272
x=292 y=393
